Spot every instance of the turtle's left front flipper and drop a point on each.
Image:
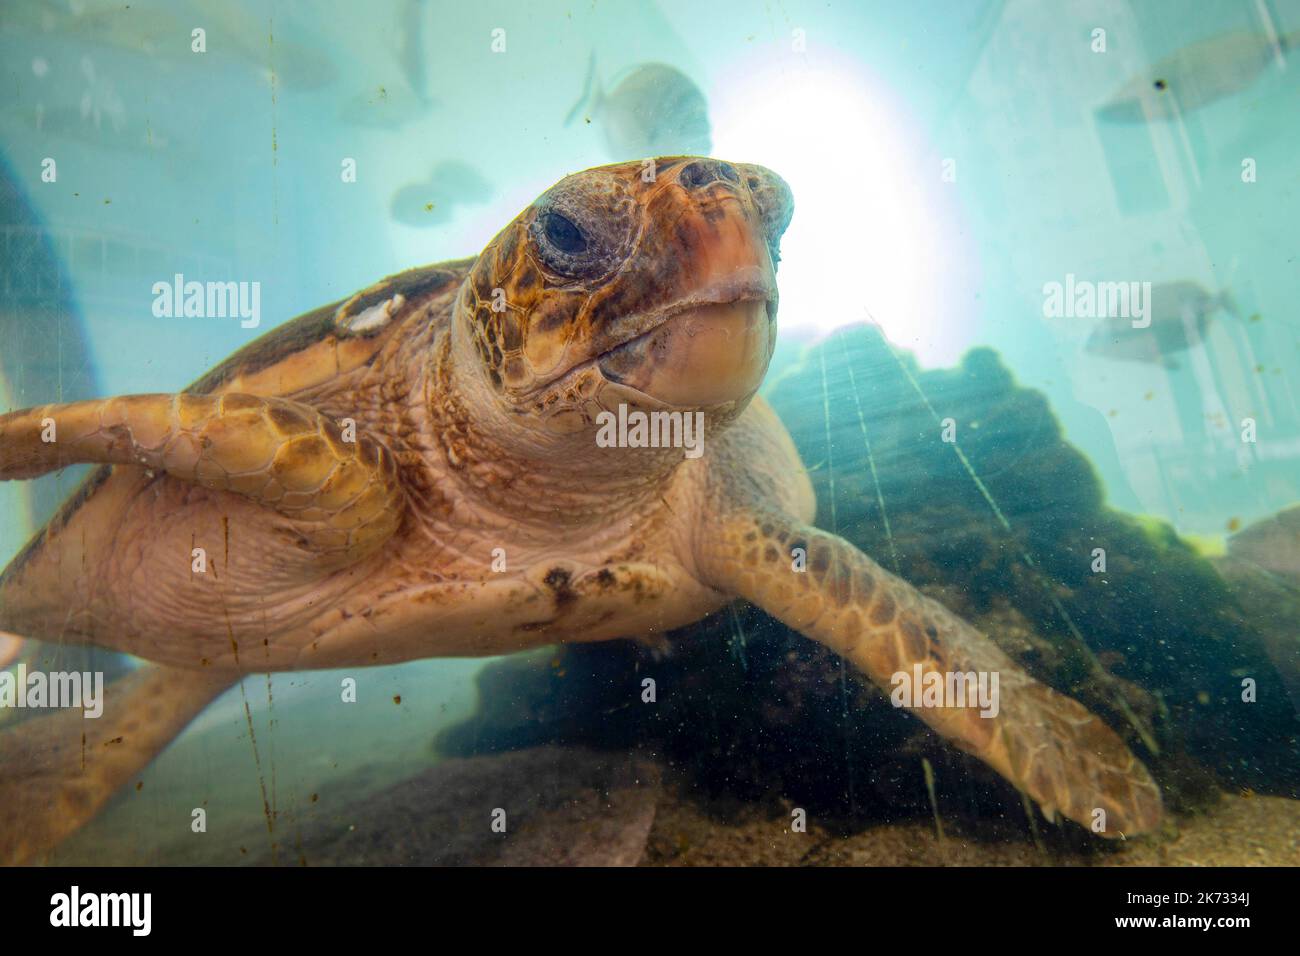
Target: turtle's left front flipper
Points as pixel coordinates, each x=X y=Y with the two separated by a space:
x=339 y=491
x=1046 y=744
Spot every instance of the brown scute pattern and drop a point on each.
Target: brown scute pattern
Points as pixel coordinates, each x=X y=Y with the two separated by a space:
x=289 y=420
x=1048 y=745
x=498 y=336
x=882 y=610
x=344 y=497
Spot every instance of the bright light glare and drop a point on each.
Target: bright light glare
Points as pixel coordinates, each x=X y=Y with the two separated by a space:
x=864 y=235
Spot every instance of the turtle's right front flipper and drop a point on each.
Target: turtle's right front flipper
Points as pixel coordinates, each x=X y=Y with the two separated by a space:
x=342 y=497
x=1046 y=744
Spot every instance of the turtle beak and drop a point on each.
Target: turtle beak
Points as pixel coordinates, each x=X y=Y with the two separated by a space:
x=735 y=217
x=706 y=354
x=714 y=232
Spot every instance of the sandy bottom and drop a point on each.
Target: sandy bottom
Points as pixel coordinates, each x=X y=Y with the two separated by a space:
x=567 y=806
x=572 y=806
x=1240 y=831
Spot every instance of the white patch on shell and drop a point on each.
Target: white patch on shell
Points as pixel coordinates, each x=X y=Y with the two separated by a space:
x=375 y=317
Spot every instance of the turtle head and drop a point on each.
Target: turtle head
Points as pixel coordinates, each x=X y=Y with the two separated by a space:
x=649 y=284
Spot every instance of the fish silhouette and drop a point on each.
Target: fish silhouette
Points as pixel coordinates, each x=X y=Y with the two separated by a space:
x=1196 y=75
x=1179 y=312
x=433 y=201
x=655 y=110
x=403 y=95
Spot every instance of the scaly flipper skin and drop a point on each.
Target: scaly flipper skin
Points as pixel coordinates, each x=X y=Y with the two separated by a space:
x=341 y=497
x=57 y=771
x=1046 y=744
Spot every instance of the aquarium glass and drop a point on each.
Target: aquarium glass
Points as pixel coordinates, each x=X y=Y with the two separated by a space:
x=1037 y=352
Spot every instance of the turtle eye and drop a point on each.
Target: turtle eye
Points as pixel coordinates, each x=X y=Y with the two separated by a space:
x=584 y=227
x=561 y=232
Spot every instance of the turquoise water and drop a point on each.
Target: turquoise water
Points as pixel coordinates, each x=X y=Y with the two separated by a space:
x=949 y=161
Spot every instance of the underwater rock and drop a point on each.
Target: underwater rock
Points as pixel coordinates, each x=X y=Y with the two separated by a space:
x=1272 y=544
x=1271 y=603
x=1158 y=643
x=562 y=807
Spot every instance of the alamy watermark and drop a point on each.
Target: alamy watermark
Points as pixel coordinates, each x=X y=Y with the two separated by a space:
x=922 y=688
x=57 y=689
x=130 y=910
x=1082 y=299
x=208 y=300
x=638 y=429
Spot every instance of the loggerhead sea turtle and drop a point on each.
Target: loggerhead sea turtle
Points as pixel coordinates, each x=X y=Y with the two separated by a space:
x=415 y=473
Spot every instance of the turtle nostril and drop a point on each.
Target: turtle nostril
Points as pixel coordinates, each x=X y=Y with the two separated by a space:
x=694 y=175
x=702 y=172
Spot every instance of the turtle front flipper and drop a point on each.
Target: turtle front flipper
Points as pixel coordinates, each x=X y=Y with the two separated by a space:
x=1048 y=745
x=339 y=491
x=57 y=771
